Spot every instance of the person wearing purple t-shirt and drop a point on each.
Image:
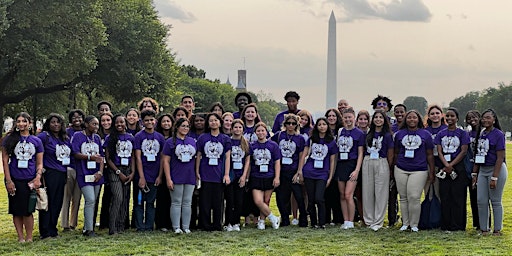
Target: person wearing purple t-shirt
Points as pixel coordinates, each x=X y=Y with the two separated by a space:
x=250 y=117
x=178 y=164
x=291 y=143
x=452 y=146
x=332 y=192
x=473 y=122
x=414 y=165
x=265 y=174
x=235 y=192
x=72 y=193
x=306 y=123
x=148 y=145
x=22 y=159
x=375 y=170
x=241 y=100
x=119 y=154
x=317 y=171
x=197 y=125
x=399 y=112
x=86 y=148
x=212 y=171
x=292 y=100
x=490 y=172
x=350 y=141
x=435 y=122
x=57 y=157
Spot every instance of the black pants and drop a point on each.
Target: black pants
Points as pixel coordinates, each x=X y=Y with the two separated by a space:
x=105 y=202
x=195 y=223
x=453 y=197
x=316 y=200
x=163 y=206
x=210 y=199
x=283 y=196
x=234 y=196
x=55 y=182
x=332 y=204
x=393 y=203
x=119 y=201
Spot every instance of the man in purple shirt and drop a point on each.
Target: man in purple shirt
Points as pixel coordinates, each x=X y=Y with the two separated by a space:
x=241 y=100
x=292 y=100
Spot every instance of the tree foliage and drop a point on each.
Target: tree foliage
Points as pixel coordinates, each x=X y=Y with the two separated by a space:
x=416 y=102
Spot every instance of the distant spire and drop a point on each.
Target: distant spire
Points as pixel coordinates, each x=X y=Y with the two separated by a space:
x=228 y=82
x=331 y=87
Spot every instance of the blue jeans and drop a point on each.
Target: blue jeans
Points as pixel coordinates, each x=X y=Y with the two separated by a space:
x=148 y=199
x=90 y=195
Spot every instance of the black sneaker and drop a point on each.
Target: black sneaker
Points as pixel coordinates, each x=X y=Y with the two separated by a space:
x=89 y=233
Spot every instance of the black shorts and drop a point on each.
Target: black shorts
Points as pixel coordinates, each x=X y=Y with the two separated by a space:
x=344 y=168
x=18 y=204
x=262 y=184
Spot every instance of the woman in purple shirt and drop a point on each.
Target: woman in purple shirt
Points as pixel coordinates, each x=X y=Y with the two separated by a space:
x=22 y=159
x=490 y=172
x=212 y=171
x=414 y=165
x=119 y=154
x=86 y=148
x=178 y=163
x=332 y=193
x=57 y=157
x=434 y=123
x=265 y=174
x=452 y=146
x=473 y=122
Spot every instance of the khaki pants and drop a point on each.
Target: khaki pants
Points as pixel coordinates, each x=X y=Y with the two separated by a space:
x=72 y=196
x=375 y=190
x=410 y=186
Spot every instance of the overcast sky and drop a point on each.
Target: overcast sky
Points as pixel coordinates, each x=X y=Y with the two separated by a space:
x=436 y=49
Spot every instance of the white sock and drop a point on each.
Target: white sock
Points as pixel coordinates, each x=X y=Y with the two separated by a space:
x=270 y=216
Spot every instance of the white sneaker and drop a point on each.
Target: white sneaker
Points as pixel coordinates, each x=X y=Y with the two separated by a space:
x=261 y=224
x=375 y=228
x=404 y=228
x=178 y=231
x=164 y=230
x=275 y=221
x=415 y=229
x=344 y=226
x=236 y=227
x=229 y=228
x=295 y=222
x=350 y=224
x=187 y=231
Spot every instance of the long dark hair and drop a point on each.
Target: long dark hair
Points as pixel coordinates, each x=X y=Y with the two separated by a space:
x=102 y=131
x=339 y=122
x=315 y=134
x=257 y=119
x=175 y=112
x=13 y=136
x=207 y=124
x=429 y=122
x=193 y=120
x=385 y=127
x=477 y=128
x=114 y=136
x=137 y=124
x=496 y=121
x=62 y=135
x=159 y=127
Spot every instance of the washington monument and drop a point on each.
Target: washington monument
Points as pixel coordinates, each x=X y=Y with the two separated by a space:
x=331 y=64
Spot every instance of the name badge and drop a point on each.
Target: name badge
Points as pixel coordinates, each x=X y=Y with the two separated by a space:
x=264 y=168
x=89 y=178
x=151 y=158
x=22 y=163
x=287 y=160
x=213 y=161
x=409 y=153
x=124 y=161
x=66 y=161
x=448 y=157
x=91 y=165
x=344 y=156
x=479 y=159
x=237 y=165
x=435 y=152
x=185 y=158
x=319 y=164
x=374 y=155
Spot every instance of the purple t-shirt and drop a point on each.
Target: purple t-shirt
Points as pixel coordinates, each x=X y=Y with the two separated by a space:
x=57 y=153
x=304 y=131
x=124 y=149
x=237 y=158
x=70 y=131
x=348 y=142
x=381 y=143
x=213 y=154
x=236 y=115
x=263 y=158
x=150 y=145
x=395 y=127
x=451 y=142
x=24 y=155
x=488 y=145
x=412 y=149
x=182 y=153
x=80 y=143
x=278 y=121
x=291 y=147
x=434 y=132
x=193 y=135
x=318 y=163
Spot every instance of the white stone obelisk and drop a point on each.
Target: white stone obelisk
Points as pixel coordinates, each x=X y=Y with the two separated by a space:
x=331 y=93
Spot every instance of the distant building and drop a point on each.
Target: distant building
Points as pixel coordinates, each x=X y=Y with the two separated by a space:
x=331 y=93
x=228 y=82
x=242 y=81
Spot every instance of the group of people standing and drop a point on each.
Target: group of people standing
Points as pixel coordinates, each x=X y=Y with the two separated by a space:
x=186 y=170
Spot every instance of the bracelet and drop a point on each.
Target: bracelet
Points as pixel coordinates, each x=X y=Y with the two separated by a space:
x=474 y=174
x=7 y=182
x=494 y=178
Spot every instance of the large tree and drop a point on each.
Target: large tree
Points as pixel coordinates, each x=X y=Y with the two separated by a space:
x=499 y=99
x=45 y=45
x=416 y=102
x=465 y=103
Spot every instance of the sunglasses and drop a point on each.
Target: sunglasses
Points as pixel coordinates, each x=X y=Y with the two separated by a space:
x=290 y=123
x=382 y=104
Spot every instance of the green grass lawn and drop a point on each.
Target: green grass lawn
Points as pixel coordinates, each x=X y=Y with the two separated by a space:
x=285 y=241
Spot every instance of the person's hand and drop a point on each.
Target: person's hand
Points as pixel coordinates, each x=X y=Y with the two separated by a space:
x=353 y=176
x=227 y=180
x=276 y=182
x=157 y=181
x=11 y=188
x=142 y=182
x=97 y=158
x=241 y=181
x=492 y=184
x=170 y=184
x=328 y=182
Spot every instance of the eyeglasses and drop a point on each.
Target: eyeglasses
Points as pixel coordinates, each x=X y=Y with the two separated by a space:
x=290 y=123
x=382 y=104
x=184 y=126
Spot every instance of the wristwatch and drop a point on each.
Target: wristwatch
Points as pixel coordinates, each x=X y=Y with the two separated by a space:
x=118 y=172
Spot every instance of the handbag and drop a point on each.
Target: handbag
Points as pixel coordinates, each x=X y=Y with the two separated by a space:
x=42 y=198
x=430 y=217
